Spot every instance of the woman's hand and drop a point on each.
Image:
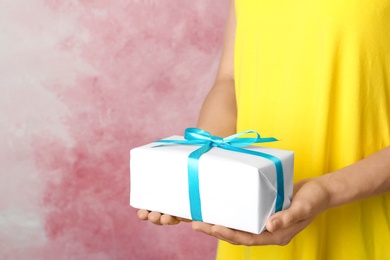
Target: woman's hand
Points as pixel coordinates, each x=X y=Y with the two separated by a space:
x=159 y=219
x=310 y=199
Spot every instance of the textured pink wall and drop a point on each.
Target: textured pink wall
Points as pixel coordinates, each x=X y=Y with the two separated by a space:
x=81 y=83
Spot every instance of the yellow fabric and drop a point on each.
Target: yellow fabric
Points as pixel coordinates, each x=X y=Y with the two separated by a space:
x=316 y=74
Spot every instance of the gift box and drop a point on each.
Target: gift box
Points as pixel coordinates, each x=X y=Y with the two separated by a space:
x=214 y=180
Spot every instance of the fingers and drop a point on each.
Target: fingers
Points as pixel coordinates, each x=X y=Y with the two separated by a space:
x=158 y=218
x=202 y=227
x=284 y=219
x=273 y=224
x=169 y=220
x=209 y=229
x=154 y=217
x=234 y=237
x=142 y=214
x=310 y=199
x=238 y=237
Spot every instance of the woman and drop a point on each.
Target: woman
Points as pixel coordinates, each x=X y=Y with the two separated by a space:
x=315 y=74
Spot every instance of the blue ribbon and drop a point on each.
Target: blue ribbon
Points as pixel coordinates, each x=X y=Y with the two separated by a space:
x=196 y=136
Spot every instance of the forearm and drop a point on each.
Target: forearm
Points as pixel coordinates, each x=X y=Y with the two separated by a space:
x=218 y=114
x=363 y=179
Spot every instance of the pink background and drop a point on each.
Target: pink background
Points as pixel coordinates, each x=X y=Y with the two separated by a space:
x=82 y=82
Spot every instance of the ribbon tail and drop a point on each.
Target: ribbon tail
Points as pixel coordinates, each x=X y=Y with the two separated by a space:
x=193 y=181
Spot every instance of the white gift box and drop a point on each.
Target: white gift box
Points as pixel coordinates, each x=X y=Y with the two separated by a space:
x=237 y=190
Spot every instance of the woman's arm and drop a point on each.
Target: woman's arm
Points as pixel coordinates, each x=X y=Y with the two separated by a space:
x=363 y=179
x=218 y=113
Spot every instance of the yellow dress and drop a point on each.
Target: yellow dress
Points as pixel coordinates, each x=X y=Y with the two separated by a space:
x=316 y=74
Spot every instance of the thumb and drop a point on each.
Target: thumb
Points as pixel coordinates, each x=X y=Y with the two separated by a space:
x=284 y=219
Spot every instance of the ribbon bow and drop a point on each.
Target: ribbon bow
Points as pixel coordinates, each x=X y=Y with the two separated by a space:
x=196 y=136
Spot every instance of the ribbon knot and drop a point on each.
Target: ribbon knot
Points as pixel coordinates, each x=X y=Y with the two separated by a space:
x=217 y=140
x=196 y=136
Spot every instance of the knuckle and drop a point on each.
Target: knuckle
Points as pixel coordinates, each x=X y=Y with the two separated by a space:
x=305 y=209
x=214 y=233
x=289 y=218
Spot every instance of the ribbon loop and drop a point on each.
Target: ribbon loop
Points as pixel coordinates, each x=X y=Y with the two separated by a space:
x=196 y=136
